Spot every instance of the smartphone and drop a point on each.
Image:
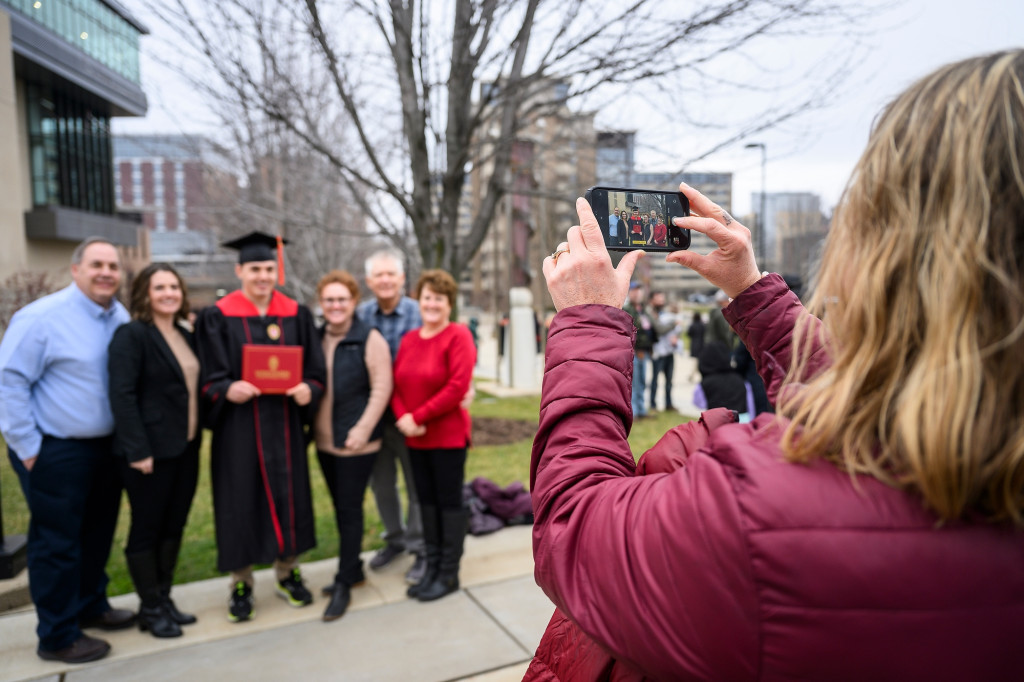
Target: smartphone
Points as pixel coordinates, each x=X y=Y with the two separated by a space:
x=633 y=219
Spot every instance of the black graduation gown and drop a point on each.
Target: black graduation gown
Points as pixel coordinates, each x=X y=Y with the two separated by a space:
x=261 y=498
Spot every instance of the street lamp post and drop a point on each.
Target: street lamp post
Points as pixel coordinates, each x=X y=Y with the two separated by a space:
x=761 y=217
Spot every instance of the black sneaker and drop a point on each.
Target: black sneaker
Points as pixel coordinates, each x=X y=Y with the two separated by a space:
x=293 y=591
x=419 y=569
x=240 y=604
x=385 y=555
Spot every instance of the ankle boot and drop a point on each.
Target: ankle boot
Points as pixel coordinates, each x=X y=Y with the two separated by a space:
x=453 y=536
x=167 y=559
x=431 y=548
x=152 y=614
x=341 y=595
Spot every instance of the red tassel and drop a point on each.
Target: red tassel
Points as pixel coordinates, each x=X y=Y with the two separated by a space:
x=280 y=262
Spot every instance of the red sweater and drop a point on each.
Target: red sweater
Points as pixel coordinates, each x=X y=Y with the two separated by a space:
x=431 y=378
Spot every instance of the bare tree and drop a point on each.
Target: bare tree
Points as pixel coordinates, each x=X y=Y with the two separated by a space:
x=20 y=289
x=403 y=98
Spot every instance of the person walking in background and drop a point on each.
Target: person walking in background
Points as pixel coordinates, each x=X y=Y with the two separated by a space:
x=696 y=333
x=262 y=505
x=154 y=383
x=55 y=417
x=642 y=346
x=393 y=314
x=718 y=328
x=663 y=353
x=349 y=432
x=720 y=384
x=872 y=529
x=433 y=372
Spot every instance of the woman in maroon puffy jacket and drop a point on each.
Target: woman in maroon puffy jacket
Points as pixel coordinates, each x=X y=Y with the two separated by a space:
x=873 y=528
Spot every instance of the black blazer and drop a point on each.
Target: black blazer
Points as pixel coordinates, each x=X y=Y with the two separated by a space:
x=148 y=395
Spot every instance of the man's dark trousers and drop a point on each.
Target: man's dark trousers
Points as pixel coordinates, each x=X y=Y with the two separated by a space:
x=74 y=494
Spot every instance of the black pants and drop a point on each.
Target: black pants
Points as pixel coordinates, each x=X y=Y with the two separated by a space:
x=347 y=478
x=74 y=494
x=663 y=365
x=160 y=500
x=439 y=475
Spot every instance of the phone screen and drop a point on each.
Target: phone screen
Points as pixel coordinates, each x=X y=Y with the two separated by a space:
x=632 y=219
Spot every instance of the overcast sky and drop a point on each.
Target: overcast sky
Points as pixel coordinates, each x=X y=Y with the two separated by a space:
x=815 y=155
x=920 y=37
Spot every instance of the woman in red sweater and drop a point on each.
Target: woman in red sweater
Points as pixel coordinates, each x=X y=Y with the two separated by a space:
x=433 y=370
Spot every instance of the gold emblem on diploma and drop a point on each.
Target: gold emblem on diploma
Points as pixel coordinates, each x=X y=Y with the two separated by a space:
x=273 y=331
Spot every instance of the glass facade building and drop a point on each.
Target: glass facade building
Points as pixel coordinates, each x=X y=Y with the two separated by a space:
x=69 y=151
x=92 y=26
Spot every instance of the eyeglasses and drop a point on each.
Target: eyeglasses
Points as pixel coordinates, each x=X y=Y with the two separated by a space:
x=335 y=301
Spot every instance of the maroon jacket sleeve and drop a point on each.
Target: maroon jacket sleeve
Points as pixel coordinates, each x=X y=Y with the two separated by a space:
x=654 y=568
x=764 y=316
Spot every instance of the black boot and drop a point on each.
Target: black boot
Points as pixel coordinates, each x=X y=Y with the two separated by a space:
x=153 y=616
x=453 y=536
x=341 y=595
x=167 y=559
x=431 y=548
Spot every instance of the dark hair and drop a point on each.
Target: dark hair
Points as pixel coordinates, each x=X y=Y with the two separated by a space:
x=140 y=304
x=341 y=277
x=440 y=282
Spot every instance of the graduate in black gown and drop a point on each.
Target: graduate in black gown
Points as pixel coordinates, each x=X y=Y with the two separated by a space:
x=261 y=497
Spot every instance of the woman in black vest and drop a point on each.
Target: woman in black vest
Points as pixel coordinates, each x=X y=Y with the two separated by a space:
x=348 y=430
x=154 y=375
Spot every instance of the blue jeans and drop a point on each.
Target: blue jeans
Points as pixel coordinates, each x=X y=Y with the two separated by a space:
x=74 y=494
x=639 y=397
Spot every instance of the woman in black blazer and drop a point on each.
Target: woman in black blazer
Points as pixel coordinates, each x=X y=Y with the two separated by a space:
x=154 y=375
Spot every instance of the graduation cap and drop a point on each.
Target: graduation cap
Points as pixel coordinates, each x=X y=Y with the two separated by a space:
x=259 y=246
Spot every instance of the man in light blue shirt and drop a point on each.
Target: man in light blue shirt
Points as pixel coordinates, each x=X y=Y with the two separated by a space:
x=393 y=314
x=55 y=416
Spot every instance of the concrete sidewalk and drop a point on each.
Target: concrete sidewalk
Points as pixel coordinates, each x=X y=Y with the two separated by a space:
x=486 y=631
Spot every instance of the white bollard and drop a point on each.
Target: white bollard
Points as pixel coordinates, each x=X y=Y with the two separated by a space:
x=522 y=331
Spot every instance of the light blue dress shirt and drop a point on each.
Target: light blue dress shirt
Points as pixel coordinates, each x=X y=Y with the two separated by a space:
x=53 y=370
x=394 y=325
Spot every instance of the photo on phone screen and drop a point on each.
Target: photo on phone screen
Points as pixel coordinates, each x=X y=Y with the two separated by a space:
x=632 y=219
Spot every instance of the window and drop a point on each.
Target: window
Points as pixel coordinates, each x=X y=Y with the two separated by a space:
x=69 y=151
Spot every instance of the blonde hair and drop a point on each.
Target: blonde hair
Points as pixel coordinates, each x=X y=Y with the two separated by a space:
x=921 y=293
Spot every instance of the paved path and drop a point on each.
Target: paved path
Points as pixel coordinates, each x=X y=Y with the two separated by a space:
x=487 y=631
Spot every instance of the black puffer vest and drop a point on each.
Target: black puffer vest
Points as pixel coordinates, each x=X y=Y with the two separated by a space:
x=350 y=383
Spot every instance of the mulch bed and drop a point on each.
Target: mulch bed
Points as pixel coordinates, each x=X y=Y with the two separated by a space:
x=498 y=431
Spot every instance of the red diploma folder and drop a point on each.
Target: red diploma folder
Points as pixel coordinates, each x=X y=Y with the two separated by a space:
x=272 y=369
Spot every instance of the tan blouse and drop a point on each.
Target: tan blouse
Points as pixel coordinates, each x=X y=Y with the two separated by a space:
x=189 y=364
x=377 y=356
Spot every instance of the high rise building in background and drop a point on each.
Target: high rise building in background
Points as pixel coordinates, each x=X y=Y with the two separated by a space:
x=794 y=230
x=66 y=68
x=553 y=162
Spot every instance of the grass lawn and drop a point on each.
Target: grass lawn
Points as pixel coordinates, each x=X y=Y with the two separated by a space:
x=500 y=463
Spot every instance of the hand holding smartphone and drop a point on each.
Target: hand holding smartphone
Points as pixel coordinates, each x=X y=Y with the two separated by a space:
x=639 y=219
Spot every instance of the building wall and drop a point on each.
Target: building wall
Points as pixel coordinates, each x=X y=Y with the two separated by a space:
x=51 y=257
x=553 y=163
x=11 y=173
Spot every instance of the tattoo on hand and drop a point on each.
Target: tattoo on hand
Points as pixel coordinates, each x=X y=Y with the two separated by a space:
x=726 y=217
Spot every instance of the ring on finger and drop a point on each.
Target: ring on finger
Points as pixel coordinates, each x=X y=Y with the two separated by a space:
x=558 y=253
